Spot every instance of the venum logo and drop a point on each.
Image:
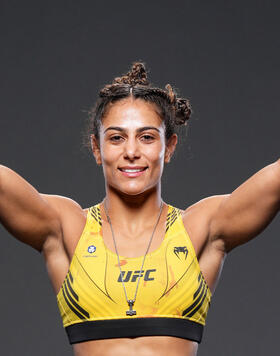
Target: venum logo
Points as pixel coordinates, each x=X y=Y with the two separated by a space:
x=181 y=249
x=132 y=276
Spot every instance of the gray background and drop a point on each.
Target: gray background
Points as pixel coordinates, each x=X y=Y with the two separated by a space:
x=225 y=57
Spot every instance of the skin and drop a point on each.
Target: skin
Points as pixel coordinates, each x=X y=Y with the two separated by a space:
x=217 y=224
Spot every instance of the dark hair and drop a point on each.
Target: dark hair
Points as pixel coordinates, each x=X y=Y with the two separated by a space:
x=173 y=111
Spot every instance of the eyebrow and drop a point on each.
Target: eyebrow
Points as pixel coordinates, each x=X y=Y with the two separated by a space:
x=141 y=129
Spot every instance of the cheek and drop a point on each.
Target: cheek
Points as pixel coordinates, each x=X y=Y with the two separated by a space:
x=154 y=157
x=109 y=154
x=155 y=153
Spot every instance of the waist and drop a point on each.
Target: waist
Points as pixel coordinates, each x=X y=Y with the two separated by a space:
x=140 y=346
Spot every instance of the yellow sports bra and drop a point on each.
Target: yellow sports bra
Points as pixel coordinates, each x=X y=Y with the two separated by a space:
x=172 y=300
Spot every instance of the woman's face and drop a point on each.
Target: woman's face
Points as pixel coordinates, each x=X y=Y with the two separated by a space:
x=132 y=147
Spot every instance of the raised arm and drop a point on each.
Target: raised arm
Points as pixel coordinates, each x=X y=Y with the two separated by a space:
x=24 y=212
x=245 y=212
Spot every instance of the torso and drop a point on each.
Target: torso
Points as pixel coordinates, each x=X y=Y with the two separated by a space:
x=209 y=256
x=141 y=346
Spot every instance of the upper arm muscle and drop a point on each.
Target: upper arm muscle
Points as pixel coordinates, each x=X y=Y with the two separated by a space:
x=24 y=212
x=250 y=208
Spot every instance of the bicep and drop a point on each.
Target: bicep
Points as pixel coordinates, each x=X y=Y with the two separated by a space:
x=24 y=212
x=245 y=212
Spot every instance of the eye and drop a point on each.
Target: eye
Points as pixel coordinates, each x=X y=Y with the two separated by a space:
x=147 y=138
x=116 y=138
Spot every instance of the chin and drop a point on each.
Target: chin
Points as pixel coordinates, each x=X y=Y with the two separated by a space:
x=133 y=190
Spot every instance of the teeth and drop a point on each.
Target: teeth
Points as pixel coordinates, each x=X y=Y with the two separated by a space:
x=132 y=170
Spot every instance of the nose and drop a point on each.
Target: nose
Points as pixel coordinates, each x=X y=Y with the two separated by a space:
x=131 y=149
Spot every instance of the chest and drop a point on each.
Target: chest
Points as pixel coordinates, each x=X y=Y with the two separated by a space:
x=167 y=268
x=167 y=282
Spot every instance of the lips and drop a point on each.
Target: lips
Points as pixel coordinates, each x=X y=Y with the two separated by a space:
x=132 y=169
x=132 y=172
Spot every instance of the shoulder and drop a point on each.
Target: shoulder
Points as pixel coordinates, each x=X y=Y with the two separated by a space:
x=208 y=205
x=72 y=219
x=60 y=202
x=199 y=220
x=70 y=213
x=64 y=206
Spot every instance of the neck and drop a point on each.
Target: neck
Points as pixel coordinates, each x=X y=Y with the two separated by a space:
x=134 y=211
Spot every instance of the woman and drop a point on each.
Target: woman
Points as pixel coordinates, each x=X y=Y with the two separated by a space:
x=134 y=275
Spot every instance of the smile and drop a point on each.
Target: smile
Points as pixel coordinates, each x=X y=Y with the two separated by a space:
x=132 y=172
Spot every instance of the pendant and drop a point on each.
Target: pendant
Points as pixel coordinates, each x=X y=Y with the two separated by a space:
x=130 y=311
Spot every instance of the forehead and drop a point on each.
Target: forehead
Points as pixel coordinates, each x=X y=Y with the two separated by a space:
x=132 y=113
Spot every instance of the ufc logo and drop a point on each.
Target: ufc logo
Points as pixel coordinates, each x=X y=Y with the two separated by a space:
x=133 y=275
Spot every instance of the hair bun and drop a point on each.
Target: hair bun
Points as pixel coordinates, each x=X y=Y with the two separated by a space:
x=183 y=111
x=136 y=76
x=182 y=106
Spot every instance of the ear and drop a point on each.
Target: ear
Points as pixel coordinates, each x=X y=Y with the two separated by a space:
x=95 y=149
x=170 y=148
